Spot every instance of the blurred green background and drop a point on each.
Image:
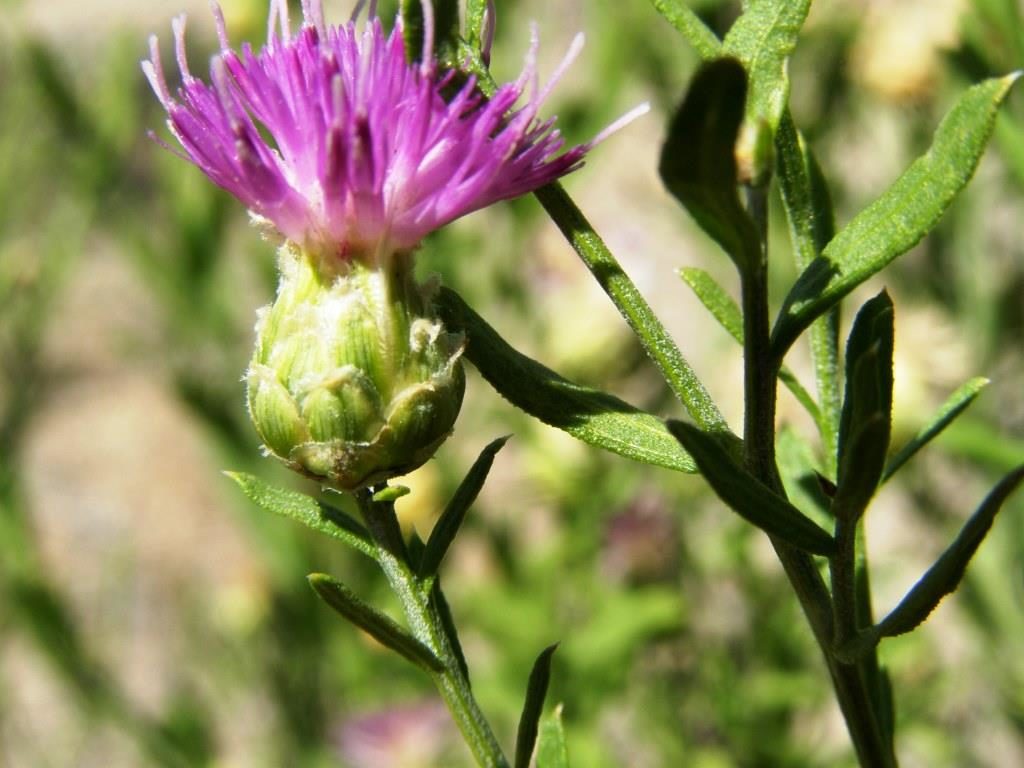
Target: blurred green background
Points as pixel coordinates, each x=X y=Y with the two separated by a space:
x=149 y=615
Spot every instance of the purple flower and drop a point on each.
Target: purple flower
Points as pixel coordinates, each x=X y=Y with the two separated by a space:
x=366 y=156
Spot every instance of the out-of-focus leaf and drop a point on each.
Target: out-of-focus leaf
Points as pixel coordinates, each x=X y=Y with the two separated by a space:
x=903 y=215
x=382 y=628
x=763 y=38
x=727 y=312
x=594 y=417
x=698 y=159
x=455 y=512
x=953 y=407
x=551 y=748
x=678 y=14
x=536 y=691
x=747 y=496
x=866 y=420
x=306 y=510
x=446 y=29
x=715 y=299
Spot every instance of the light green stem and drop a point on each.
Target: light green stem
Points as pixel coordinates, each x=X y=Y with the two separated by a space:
x=427 y=626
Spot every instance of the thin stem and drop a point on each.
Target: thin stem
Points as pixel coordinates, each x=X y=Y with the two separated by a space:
x=843 y=569
x=760 y=382
x=581 y=235
x=427 y=626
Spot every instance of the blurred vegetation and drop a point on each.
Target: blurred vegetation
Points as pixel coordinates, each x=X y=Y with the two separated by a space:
x=680 y=642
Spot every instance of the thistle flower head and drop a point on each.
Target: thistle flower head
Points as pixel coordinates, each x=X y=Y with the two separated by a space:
x=345 y=146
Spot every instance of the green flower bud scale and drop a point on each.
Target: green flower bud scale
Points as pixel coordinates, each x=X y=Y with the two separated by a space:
x=354 y=379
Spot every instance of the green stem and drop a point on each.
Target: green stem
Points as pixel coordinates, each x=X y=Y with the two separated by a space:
x=427 y=626
x=591 y=249
x=760 y=382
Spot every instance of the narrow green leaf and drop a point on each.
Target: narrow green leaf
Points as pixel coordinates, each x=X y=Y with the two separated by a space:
x=953 y=407
x=475 y=10
x=594 y=417
x=747 y=496
x=536 y=691
x=698 y=159
x=306 y=510
x=715 y=299
x=653 y=336
x=451 y=519
x=382 y=628
x=678 y=14
x=390 y=493
x=763 y=38
x=551 y=748
x=808 y=205
x=903 y=215
x=444 y=612
x=866 y=419
x=727 y=312
x=945 y=575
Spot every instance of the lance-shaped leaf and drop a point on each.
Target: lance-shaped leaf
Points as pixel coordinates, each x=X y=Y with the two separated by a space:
x=698 y=159
x=382 y=628
x=444 y=612
x=953 y=407
x=808 y=205
x=763 y=38
x=594 y=417
x=727 y=312
x=865 y=423
x=306 y=510
x=945 y=575
x=903 y=215
x=455 y=512
x=747 y=496
x=696 y=32
x=536 y=691
x=551 y=748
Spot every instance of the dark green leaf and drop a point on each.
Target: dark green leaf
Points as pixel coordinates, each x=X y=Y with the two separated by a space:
x=444 y=612
x=696 y=32
x=306 y=510
x=865 y=423
x=945 y=575
x=698 y=159
x=451 y=519
x=903 y=215
x=763 y=38
x=747 y=496
x=727 y=312
x=383 y=629
x=953 y=407
x=536 y=691
x=588 y=415
x=551 y=749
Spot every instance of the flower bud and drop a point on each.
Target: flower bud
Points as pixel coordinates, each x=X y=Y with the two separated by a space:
x=354 y=379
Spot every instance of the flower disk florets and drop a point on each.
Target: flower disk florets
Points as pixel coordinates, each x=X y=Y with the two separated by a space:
x=365 y=155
